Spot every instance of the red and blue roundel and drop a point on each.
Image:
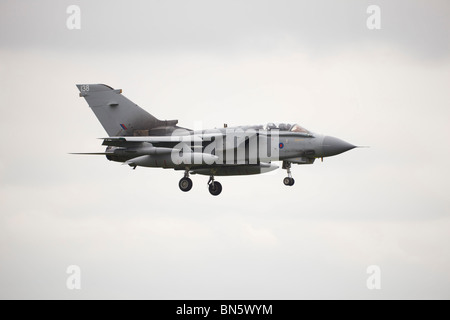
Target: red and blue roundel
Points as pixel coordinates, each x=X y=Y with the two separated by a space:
x=281 y=145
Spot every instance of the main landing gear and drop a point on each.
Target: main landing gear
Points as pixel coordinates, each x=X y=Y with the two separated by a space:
x=288 y=181
x=185 y=183
x=214 y=187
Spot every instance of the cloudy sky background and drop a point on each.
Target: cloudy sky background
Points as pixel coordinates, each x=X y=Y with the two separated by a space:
x=134 y=234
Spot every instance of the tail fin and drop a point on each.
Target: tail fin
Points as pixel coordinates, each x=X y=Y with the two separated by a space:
x=118 y=115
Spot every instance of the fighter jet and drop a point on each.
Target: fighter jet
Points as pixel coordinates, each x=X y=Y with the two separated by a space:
x=138 y=139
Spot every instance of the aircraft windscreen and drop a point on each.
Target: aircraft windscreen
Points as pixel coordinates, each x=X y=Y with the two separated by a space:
x=286 y=127
x=297 y=128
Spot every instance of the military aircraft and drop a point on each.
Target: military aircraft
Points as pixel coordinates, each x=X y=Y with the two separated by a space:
x=138 y=139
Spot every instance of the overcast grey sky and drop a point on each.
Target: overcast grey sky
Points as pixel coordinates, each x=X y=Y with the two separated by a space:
x=134 y=234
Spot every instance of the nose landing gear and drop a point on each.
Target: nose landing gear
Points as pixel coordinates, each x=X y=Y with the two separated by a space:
x=288 y=181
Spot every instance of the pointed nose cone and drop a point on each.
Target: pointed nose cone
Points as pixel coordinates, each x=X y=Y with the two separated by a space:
x=333 y=146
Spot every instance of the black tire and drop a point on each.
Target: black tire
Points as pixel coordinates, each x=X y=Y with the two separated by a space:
x=185 y=184
x=287 y=181
x=215 y=189
x=292 y=182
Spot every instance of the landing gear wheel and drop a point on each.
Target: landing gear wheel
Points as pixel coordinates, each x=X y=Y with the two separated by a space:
x=288 y=181
x=185 y=184
x=215 y=188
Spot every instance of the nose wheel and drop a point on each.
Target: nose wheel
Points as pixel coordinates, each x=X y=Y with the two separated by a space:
x=185 y=183
x=214 y=187
x=288 y=181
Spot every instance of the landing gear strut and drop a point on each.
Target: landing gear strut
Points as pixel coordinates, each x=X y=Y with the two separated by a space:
x=288 y=181
x=215 y=188
x=185 y=183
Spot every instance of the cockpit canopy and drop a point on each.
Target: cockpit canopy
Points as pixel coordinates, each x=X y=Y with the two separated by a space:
x=286 y=127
